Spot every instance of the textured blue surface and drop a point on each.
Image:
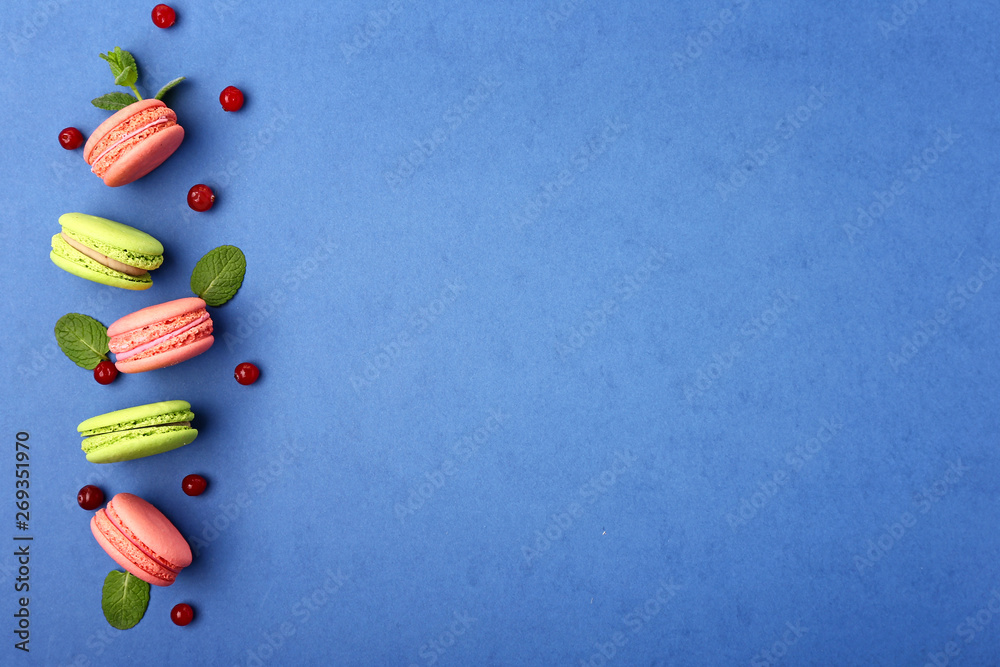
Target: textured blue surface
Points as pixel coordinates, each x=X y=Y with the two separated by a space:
x=658 y=331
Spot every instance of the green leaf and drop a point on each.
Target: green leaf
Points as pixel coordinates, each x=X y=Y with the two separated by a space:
x=218 y=275
x=159 y=95
x=123 y=66
x=83 y=339
x=113 y=101
x=124 y=599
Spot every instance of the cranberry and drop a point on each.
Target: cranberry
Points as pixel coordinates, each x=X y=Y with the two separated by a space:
x=231 y=99
x=90 y=497
x=247 y=373
x=201 y=197
x=70 y=138
x=164 y=16
x=182 y=614
x=194 y=485
x=105 y=372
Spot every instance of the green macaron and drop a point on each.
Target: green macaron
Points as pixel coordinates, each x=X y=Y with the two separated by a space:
x=132 y=433
x=105 y=251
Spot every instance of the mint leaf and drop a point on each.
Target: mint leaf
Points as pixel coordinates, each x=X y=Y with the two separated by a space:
x=124 y=599
x=123 y=66
x=218 y=275
x=83 y=339
x=159 y=95
x=113 y=101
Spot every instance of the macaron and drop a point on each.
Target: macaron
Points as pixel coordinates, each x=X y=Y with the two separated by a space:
x=132 y=433
x=133 y=142
x=161 y=335
x=141 y=539
x=105 y=251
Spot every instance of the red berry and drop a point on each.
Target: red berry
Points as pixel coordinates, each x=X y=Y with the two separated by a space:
x=164 y=16
x=247 y=373
x=201 y=197
x=231 y=99
x=105 y=372
x=90 y=497
x=70 y=138
x=194 y=485
x=182 y=614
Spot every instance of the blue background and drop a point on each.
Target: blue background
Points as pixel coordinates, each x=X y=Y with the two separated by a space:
x=552 y=304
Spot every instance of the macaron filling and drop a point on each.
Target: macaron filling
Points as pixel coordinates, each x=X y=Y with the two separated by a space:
x=161 y=340
x=131 y=547
x=131 y=131
x=104 y=260
x=166 y=419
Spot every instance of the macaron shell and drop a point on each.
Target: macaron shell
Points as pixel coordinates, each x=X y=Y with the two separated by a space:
x=153 y=529
x=150 y=414
x=167 y=358
x=113 y=121
x=111 y=234
x=83 y=267
x=125 y=446
x=154 y=314
x=123 y=553
x=142 y=156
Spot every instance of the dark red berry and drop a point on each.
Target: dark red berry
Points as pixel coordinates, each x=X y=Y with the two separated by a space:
x=247 y=373
x=90 y=497
x=194 y=485
x=70 y=138
x=105 y=372
x=231 y=99
x=182 y=614
x=201 y=197
x=164 y=16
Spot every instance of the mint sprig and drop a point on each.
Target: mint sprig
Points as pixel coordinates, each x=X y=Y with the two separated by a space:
x=124 y=599
x=83 y=339
x=219 y=274
x=126 y=73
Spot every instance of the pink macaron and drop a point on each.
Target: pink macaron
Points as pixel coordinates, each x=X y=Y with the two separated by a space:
x=141 y=539
x=161 y=335
x=133 y=142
